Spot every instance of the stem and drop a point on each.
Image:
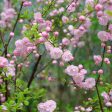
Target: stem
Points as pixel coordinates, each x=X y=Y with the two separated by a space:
x=48 y=8
x=32 y=77
x=44 y=67
x=7 y=91
x=2 y=40
x=18 y=16
x=100 y=102
x=34 y=71
x=15 y=77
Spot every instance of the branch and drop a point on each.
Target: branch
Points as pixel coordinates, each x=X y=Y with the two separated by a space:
x=13 y=30
x=6 y=88
x=100 y=102
x=34 y=71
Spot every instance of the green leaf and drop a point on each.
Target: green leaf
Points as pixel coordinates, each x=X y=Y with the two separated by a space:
x=26 y=103
x=109 y=12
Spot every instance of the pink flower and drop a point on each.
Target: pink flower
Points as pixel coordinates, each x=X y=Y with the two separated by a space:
x=61 y=9
x=72 y=7
x=106 y=97
x=81 y=44
x=7 y=16
x=54 y=12
x=108 y=104
x=48 y=106
x=103 y=36
x=78 y=76
x=60 y=1
x=72 y=70
x=48 y=23
x=38 y=17
x=97 y=59
x=110 y=27
x=10 y=70
x=89 y=83
x=3 y=62
x=56 y=53
x=98 y=7
x=103 y=20
x=70 y=28
x=89 y=2
x=79 y=79
x=87 y=23
x=65 y=19
x=82 y=18
x=78 y=33
x=106 y=60
x=65 y=41
x=11 y=34
x=67 y=56
x=100 y=71
x=83 y=71
x=48 y=46
x=45 y=34
x=27 y=3
x=100 y=13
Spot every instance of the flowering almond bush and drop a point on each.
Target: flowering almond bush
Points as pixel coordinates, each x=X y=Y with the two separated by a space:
x=55 y=55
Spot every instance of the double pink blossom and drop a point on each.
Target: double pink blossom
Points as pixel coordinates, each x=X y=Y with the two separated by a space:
x=104 y=36
x=97 y=59
x=3 y=62
x=67 y=56
x=48 y=106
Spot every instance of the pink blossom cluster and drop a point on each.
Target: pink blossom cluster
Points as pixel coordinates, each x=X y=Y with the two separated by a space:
x=104 y=36
x=23 y=47
x=44 y=27
x=57 y=53
x=27 y=3
x=102 y=9
x=48 y=106
x=83 y=109
x=79 y=32
x=10 y=70
x=78 y=75
x=107 y=98
x=98 y=60
x=72 y=7
x=60 y=1
x=7 y=15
